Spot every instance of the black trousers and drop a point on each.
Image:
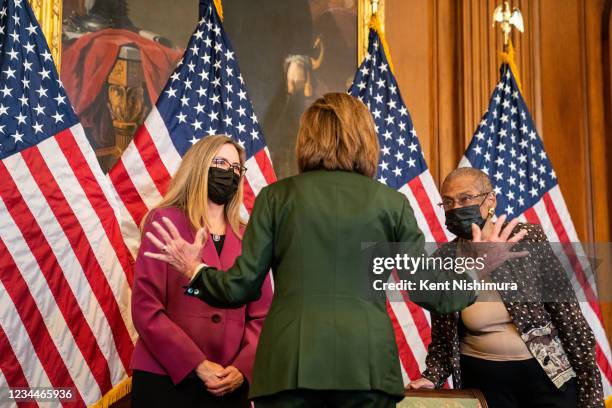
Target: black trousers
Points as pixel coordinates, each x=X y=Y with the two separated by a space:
x=516 y=384
x=327 y=399
x=157 y=391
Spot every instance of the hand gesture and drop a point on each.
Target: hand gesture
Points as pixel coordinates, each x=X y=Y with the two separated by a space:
x=495 y=248
x=182 y=255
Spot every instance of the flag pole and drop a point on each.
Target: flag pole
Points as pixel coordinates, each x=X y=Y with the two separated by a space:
x=375 y=24
x=508 y=56
x=508 y=19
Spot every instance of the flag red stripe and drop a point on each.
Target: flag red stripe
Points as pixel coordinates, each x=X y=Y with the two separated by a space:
x=421 y=322
x=127 y=191
x=49 y=265
x=265 y=166
x=531 y=216
x=9 y=364
x=427 y=209
x=67 y=142
x=411 y=366
x=248 y=196
x=89 y=263
x=571 y=254
x=418 y=315
x=10 y=367
x=33 y=322
x=152 y=160
x=602 y=360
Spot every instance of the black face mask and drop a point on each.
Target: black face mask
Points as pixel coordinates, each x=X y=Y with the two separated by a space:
x=222 y=185
x=459 y=220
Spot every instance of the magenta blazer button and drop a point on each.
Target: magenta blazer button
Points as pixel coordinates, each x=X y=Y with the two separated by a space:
x=216 y=318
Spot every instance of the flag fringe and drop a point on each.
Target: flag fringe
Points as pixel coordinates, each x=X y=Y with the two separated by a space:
x=115 y=394
x=219 y=8
x=508 y=57
x=375 y=24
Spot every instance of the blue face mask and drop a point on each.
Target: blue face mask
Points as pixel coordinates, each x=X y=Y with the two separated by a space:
x=459 y=220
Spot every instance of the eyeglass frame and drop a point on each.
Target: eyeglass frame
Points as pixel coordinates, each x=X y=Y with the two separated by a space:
x=466 y=198
x=220 y=160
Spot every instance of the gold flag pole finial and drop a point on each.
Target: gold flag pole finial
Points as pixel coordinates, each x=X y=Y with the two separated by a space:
x=506 y=19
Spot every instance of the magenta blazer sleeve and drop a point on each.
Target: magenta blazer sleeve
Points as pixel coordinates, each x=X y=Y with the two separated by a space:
x=255 y=315
x=171 y=346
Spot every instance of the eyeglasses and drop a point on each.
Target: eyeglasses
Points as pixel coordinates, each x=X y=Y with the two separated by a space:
x=221 y=163
x=463 y=200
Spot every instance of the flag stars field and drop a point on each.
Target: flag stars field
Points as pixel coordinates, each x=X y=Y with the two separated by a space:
x=401 y=158
x=27 y=89
x=505 y=130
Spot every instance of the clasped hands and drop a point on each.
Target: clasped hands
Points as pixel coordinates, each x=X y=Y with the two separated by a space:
x=219 y=380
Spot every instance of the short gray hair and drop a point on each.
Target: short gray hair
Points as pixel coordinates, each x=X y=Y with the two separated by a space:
x=479 y=175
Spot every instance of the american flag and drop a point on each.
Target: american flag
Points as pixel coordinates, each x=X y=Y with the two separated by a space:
x=508 y=148
x=204 y=96
x=402 y=167
x=64 y=268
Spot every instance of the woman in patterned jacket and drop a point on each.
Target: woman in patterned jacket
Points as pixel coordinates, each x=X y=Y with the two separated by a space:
x=531 y=348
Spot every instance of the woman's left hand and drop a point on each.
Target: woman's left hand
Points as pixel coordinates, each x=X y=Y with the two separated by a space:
x=230 y=379
x=495 y=249
x=182 y=255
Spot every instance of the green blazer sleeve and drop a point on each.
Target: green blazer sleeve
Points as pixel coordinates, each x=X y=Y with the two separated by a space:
x=441 y=302
x=242 y=283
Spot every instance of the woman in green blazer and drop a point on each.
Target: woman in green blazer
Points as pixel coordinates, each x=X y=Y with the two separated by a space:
x=327 y=339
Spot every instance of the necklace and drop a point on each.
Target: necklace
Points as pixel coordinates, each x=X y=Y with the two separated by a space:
x=217 y=237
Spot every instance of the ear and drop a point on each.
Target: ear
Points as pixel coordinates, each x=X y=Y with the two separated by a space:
x=491 y=200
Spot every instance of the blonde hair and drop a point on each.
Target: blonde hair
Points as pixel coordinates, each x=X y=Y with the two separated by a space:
x=188 y=189
x=337 y=133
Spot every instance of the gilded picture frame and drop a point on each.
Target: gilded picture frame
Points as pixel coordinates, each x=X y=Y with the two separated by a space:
x=49 y=15
x=128 y=113
x=364 y=10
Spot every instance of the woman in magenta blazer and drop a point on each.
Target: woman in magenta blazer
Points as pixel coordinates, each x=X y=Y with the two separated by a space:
x=188 y=353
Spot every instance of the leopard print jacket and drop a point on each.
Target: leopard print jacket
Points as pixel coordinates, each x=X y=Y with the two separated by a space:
x=556 y=333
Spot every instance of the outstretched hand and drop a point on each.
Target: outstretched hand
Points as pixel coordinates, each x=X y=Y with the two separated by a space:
x=495 y=248
x=174 y=250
